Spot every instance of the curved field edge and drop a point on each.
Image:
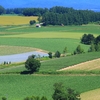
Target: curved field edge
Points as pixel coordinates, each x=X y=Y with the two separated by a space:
x=44 y=43
x=85 y=66
x=91 y=95
x=17 y=87
x=10 y=50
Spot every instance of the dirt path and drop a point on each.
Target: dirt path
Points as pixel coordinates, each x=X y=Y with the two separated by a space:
x=89 y=65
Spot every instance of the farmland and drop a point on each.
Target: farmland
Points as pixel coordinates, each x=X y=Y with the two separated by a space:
x=15 y=20
x=16 y=87
x=19 y=37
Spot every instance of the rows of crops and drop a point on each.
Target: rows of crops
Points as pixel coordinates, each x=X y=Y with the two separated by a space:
x=23 y=38
x=16 y=87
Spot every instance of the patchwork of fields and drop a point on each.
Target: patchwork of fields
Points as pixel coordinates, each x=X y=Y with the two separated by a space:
x=17 y=36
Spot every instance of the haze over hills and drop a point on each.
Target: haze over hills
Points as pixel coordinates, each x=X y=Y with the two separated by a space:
x=76 y=4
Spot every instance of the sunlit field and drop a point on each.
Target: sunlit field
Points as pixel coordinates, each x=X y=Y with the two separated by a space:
x=8 y=50
x=17 y=36
x=15 y=20
x=17 y=87
x=91 y=95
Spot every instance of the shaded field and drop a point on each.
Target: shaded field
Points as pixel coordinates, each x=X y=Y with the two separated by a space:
x=16 y=87
x=15 y=20
x=91 y=95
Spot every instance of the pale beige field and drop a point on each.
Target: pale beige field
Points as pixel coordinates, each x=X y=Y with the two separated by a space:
x=7 y=50
x=85 y=66
x=15 y=20
x=91 y=95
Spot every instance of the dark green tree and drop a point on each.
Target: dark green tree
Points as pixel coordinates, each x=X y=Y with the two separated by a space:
x=78 y=50
x=4 y=98
x=87 y=39
x=97 y=40
x=32 y=65
x=2 y=10
x=63 y=93
x=32 y=22
x=50 y=54
x=39 y=18
x=43 y=98
x=35 y=98
x=57 y=54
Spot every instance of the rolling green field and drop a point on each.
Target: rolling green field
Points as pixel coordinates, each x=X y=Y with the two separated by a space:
x=18 y=37
x=54 y=65
x=16 y=87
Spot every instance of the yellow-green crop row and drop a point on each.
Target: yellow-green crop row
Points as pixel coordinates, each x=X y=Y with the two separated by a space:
x=16 y=20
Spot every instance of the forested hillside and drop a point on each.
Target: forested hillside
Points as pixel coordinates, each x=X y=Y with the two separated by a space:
x=57 y=15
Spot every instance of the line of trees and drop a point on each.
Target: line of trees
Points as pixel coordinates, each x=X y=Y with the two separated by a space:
x=57 y=15
x=69 y=16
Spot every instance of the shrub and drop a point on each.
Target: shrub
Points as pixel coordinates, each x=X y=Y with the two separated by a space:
x=32 y=22
x=57 y=54
x=63 y=93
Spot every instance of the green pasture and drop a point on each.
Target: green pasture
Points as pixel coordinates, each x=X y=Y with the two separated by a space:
x=92 y=29
x=49 y=38
x=45 y=44
x=7 y=50
x=58 y=35
x=53 y=65
x=16 y=87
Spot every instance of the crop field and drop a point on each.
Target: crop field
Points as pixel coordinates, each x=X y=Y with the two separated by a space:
x=7 y=50
x=17 y=36
x=91 y=95
x=15 y=20
x=85 y=66
x=16 y=87
x=54 y=65
x=45 y=44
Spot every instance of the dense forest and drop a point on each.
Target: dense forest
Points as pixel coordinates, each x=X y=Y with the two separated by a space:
x=57 y=15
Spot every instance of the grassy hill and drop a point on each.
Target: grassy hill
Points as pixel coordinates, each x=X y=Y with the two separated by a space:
x=18 y=38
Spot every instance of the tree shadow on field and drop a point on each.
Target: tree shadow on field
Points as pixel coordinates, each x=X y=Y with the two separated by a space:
x=26 y=72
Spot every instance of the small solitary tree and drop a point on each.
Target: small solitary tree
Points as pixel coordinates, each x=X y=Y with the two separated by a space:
x=32 y=64
x=32 y=22
x=50 y=54
x=57 y=54
x=4 y=98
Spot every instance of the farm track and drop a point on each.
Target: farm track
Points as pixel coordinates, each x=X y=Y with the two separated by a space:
x=88 y=66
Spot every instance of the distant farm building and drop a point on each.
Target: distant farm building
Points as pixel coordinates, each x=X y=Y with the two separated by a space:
x=38 y=25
